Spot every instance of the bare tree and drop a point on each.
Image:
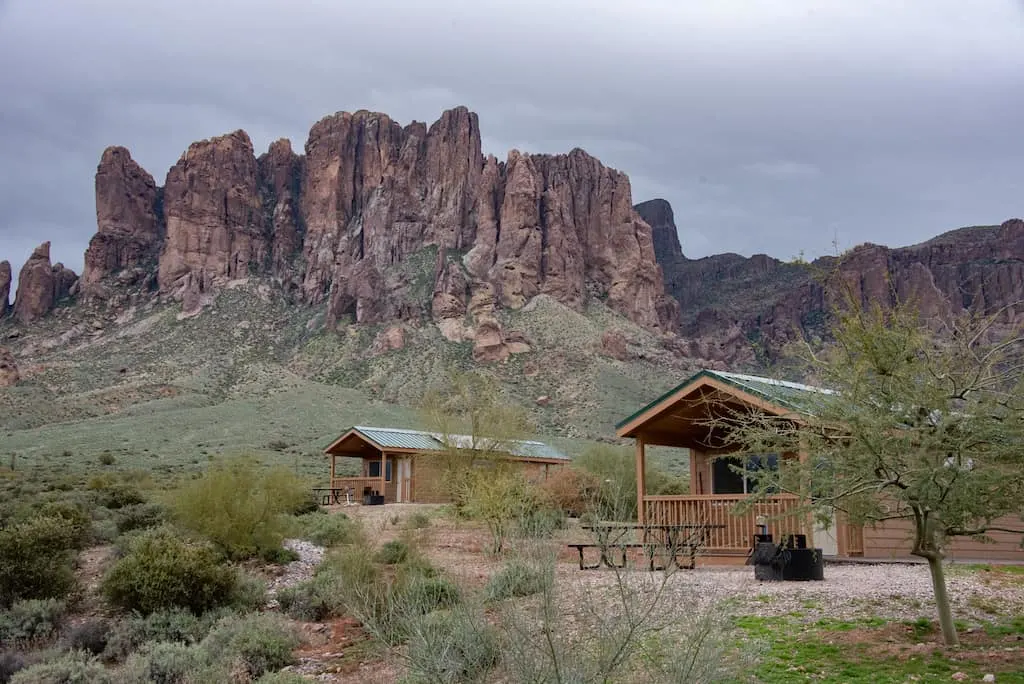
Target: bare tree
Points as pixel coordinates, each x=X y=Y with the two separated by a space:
x=925 y=424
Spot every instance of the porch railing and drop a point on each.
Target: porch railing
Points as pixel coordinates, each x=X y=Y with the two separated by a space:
x=356 y=484
x=718 y=509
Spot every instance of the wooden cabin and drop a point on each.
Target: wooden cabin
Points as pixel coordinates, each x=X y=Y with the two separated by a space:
x=396 y=463
x=684 y=417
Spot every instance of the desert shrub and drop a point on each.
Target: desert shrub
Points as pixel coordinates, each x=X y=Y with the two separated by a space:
x=239 y=507
x=540 y=522
x=10 y=662
x=170 y=663
x=392 y=553
x=38 y=556
x=571 y=490
x=107 y=458
x=31 y=620
x=499 y=497
x=328 y=529
x=162 y=570
x=116 y=494
x=178 y=625
x=452 y=646
x=261 y=643
x=90 y=636
x=344 y=574
x=279 y=555
x=517 y=579
x=421 y=595
x=70 y=668
x=139 y=516
x=417 y=521
x=249 y=593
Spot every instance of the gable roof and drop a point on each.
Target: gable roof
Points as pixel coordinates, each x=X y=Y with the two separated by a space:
x=420 y=440
x=790 y=396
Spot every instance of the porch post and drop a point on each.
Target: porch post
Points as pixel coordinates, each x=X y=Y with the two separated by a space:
x=334 y=458
x=641 y=480
x=383 y=471
x=805 y=495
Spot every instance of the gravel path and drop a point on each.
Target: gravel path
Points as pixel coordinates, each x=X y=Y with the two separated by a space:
x=849 y=591
x=297 y=571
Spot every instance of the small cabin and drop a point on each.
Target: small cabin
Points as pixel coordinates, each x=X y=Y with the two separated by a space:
x=395 y=464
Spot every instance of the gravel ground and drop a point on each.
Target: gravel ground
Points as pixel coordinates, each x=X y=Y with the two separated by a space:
x=297 y=571
x=848 y=591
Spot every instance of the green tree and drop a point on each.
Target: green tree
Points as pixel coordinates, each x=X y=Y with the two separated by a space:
x=925 y=424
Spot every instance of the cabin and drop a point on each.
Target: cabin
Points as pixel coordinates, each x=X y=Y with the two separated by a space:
x=395 y=464
x=684 y=417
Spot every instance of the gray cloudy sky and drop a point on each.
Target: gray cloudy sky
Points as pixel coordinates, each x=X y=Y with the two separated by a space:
x=772 y=126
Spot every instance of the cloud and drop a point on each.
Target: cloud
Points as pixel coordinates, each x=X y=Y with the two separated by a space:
x=771 y=127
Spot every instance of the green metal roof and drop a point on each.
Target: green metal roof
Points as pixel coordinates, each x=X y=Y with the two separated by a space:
x=792 y=395
x=395 y=438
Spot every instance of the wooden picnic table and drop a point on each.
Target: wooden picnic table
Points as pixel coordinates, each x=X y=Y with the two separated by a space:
x=329 y=495
x=674 y=539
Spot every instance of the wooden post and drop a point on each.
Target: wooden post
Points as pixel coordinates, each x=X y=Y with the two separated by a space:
x=383 y=472
x=334 y=458
x=641 y=480
x=804 y=496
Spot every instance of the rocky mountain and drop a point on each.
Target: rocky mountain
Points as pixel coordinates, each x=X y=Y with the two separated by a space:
x=739 y=311
x=376 y=221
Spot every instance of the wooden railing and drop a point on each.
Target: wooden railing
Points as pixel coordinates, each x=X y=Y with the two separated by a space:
x=356 y=484
x=718 y=509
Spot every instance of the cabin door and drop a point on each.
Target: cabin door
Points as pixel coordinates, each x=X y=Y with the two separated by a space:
x=404 y=480
x=825 y=538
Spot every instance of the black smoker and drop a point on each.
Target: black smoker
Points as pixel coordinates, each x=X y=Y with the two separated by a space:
x=790 y=559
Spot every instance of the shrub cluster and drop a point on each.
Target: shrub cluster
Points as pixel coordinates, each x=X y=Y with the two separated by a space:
x=162 y=570
x=517 y=579
x=31 y=620
x=328 y=529
x=38 y=555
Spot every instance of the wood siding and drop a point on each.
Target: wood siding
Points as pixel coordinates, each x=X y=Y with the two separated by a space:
x=893 y=539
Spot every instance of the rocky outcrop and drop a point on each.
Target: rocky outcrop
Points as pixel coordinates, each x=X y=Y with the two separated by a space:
x=215 y=226
x=129 y=223
x=5 y=287
x=9 y=374
x=41 y=285
x=738 y=310
x=280 y=177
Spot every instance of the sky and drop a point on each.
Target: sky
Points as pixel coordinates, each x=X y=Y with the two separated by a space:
x=786 y=127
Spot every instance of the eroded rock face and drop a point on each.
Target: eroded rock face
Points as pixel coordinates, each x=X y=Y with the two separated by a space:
x=215 y=226
x=738 y=310
x=280 y=172
x=41 y=285
x=5 y=287
x=128 y=220
x=9 y=374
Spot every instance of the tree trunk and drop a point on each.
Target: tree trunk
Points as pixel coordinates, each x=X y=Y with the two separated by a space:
x=949 y=635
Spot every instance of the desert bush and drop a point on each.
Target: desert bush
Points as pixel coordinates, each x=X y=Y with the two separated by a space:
x=128 y=634
x=452 y=646
x=571 y=490
x=498 y=496
x=392 y=552
x=282 y=678
x=249 y=593
x=422 y=595
x=278 y=555
x=417 y=521
x=328 y=529
x=261 y=643
x=171 y=663
x=517 y=578
x=539 y=522
x=31 y=620
x=239 y=507
x=70 y=668
x=139 y=516
x=163 y=570
x=10 y=662
x=107 y=458
x=90 y=636
x=37 y=558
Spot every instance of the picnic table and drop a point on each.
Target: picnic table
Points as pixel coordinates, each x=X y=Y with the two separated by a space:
x=329 y=495
x=671 y=540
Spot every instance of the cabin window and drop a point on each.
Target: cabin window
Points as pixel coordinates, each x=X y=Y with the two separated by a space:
x=726 y=480
x=373 y=470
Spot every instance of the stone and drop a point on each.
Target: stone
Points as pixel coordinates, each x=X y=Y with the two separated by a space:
x=390 y=339
x=543 y=400
x=613 y=344
x=41 y=285
x=280 y=182
x=215 y=227
x=9 y=375
x=129 y=222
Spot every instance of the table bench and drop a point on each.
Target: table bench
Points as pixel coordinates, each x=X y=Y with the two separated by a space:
x=328 y=495
x=683 y=539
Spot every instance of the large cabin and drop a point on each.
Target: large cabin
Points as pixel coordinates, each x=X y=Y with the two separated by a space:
x=684 y=418
x=396 y=464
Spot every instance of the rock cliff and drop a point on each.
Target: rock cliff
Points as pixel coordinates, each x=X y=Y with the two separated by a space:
x=129 y=225
x=41 y=285
x=736 y=308
x=5 y=287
